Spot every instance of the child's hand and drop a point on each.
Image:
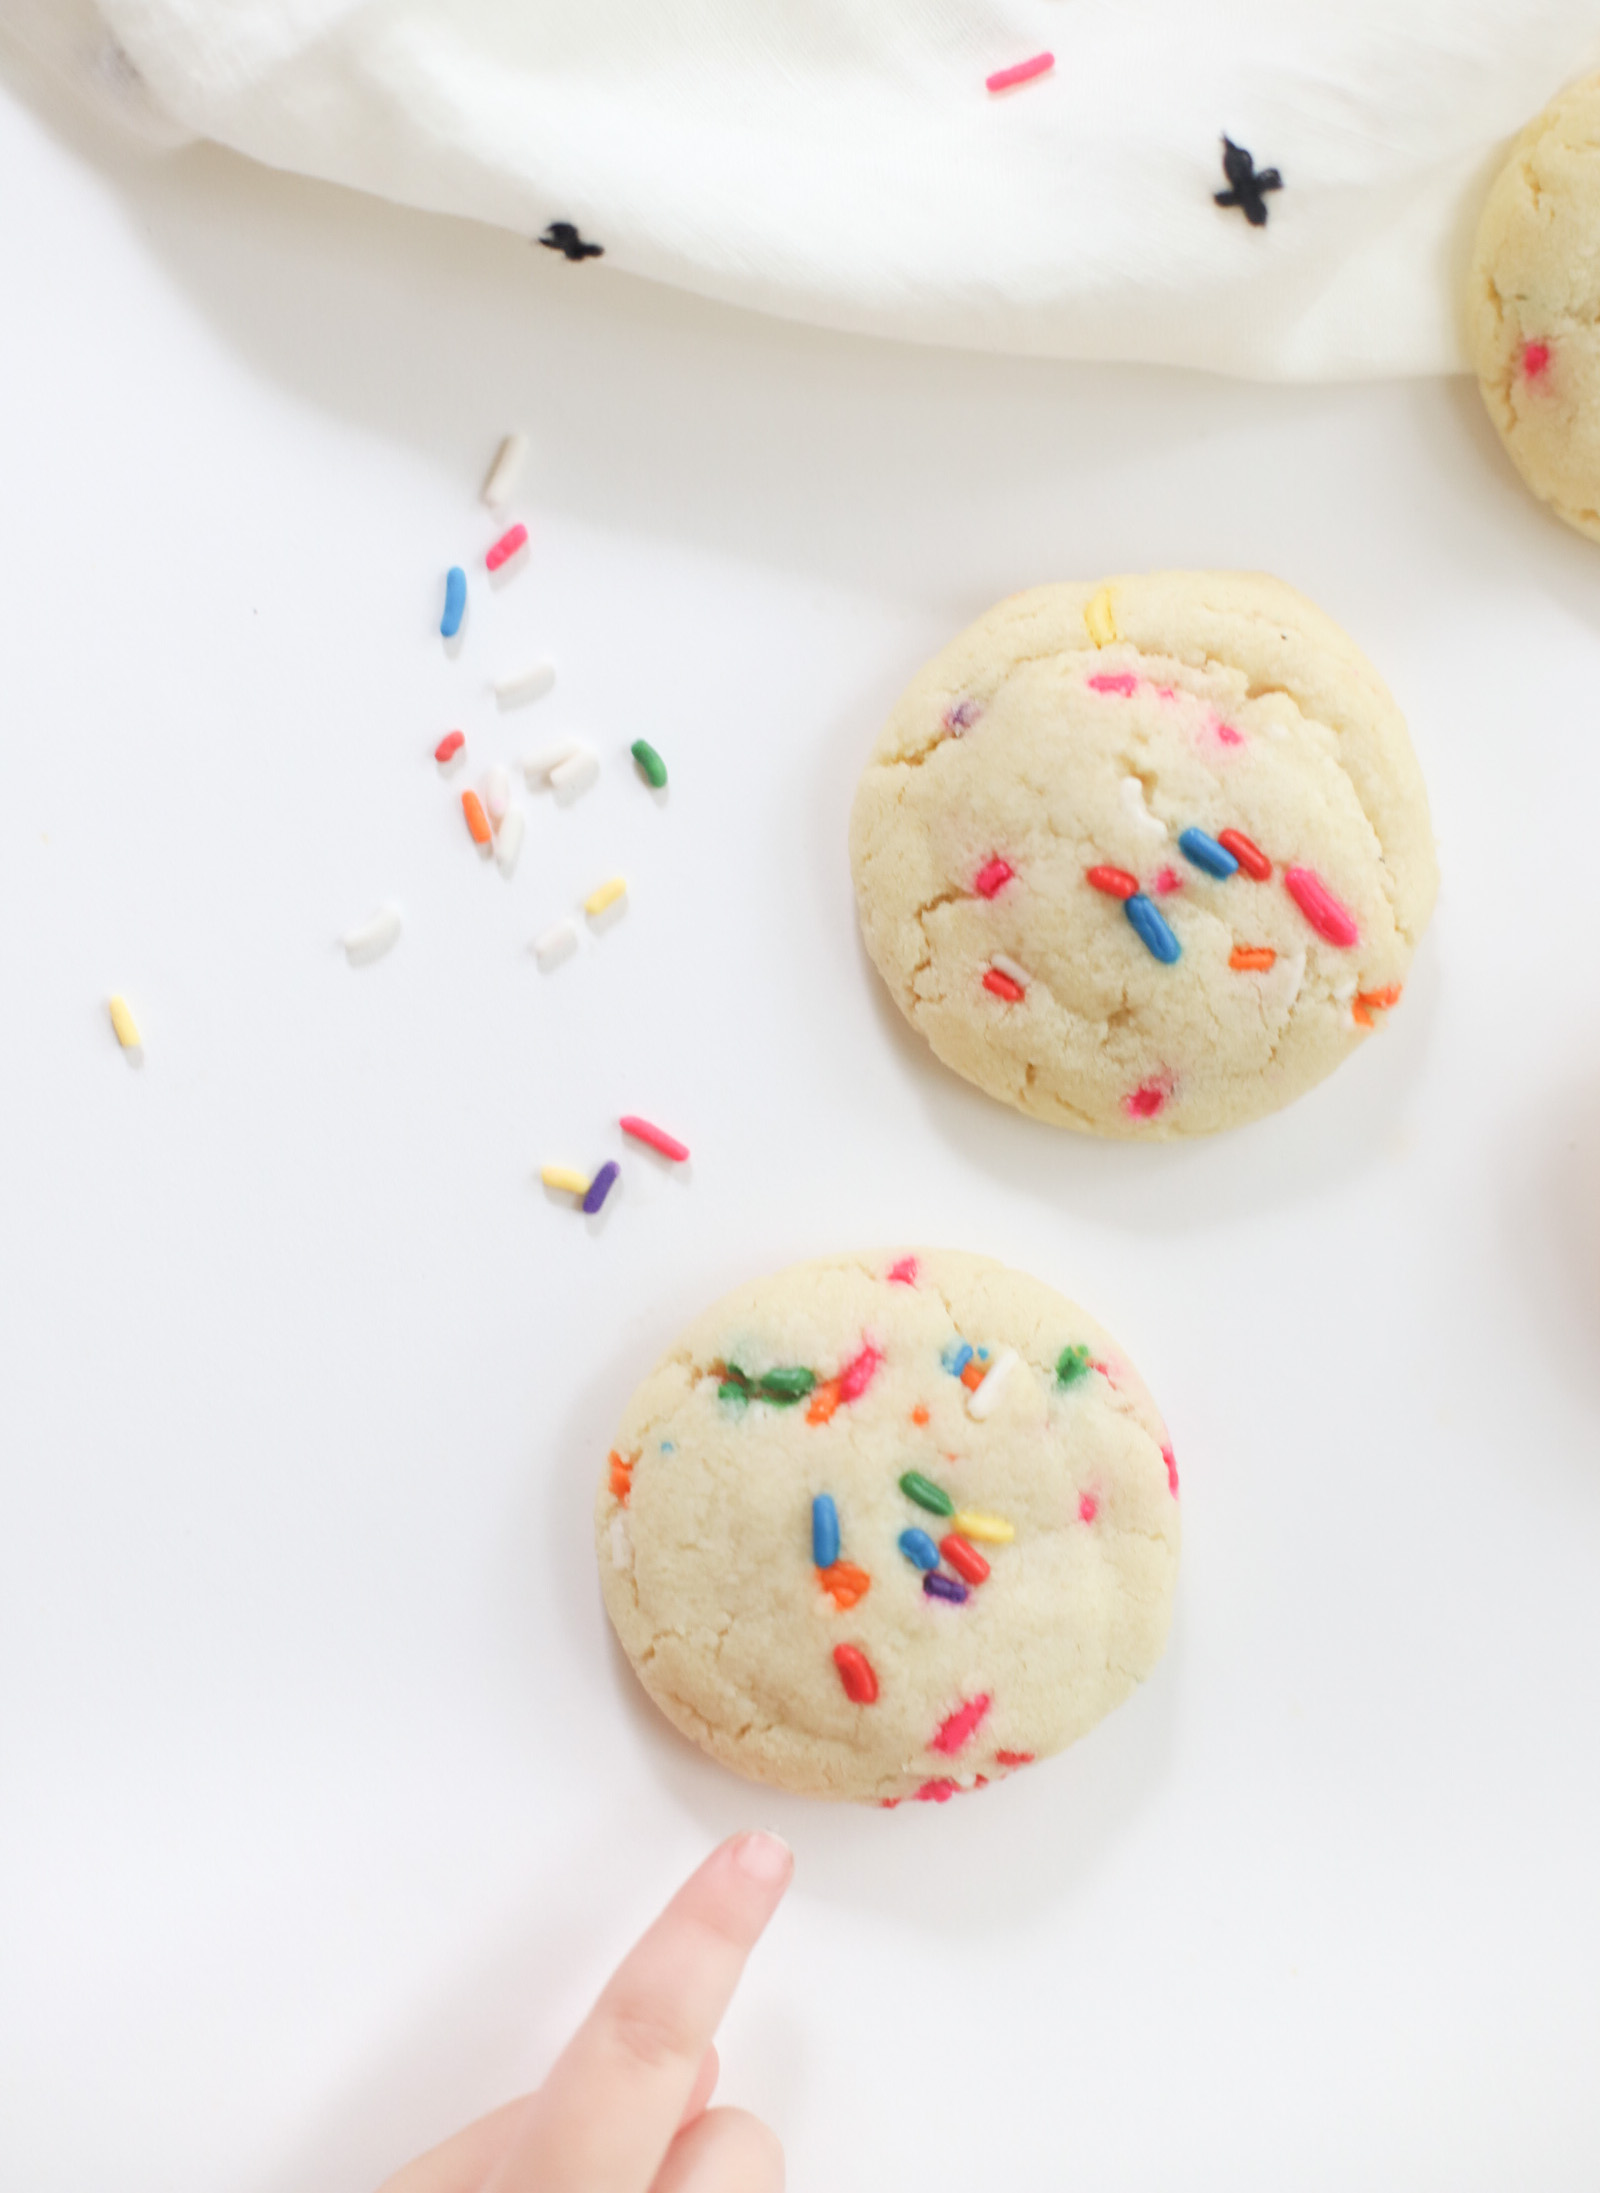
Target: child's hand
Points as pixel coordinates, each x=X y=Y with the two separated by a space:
x=624 y=2108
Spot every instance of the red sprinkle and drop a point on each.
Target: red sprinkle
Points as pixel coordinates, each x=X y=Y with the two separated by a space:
x=1171 y=1461
x=1013 y=1758
x=1169 y=880
x=1146 y=1102
x=855 y=1673
x=1535 y=357
x=1115 y=882
x=938 y=1793
x=450 y=745
x=1021 y=72
x=992 y=876
x=1247 y=853
x=506 y=547
x=657 y=1137
x=1004 y=987
x=1088 y=1508
x=961 y=1726
x=1115 y=681
x=964 y=1558
x=857 y=1376
x=904 y=1274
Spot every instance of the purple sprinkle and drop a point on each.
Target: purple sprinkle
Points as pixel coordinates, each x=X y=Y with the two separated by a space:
x=944 y=1587
x=962 y=717
x=600 y=1187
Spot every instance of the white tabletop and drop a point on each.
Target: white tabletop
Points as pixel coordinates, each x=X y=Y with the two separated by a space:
x=327 y=1800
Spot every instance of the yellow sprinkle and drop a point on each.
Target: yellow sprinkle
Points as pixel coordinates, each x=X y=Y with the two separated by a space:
x=1098 y=617
x=125 y=1025
x=563 y=1176
x=607 y=895
x=989 y=1530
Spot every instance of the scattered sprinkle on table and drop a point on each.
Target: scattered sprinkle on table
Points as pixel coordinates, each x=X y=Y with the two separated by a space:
x=608 y=893
x=556 y=944
x=497 y=792
x=373 y=937
x=531 y=684
x=514 y=537
x=124 y=1025
x=539 y=768
x=503 y=472
x=565 y=1179
x=1021 y=72
x=657 y=1137
x=1246 y=183
x=455 y=601
x=477 y=821
x=449 y=747
x=650 y=762
x=571 y=778
x=562 y=236
x=601 y=1186
x=508 y=842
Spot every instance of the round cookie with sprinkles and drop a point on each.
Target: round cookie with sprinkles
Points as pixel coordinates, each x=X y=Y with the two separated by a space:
x=1533 y=305
x=1146 y=858
x=890 y=1526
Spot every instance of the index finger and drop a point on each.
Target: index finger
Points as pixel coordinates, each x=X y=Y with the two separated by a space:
x=606 y=2115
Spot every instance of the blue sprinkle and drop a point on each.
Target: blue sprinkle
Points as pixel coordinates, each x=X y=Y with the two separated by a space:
x=824 y=1531
x=944 y=1587
x=455 y=601
x=919 y=1549
x=1150 y=926
x=955 y=1360
x=668 y=1446
x=1206 y=853
x=601 y=1185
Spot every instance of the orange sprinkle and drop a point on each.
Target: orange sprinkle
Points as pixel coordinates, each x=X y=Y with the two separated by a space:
x=1370 y=1001
x=477 y=820
x=919 y=1414
x=621 y=1478
x=844 y=1584
x=974 y=1375
x=1252 y=958
x=823 y=1403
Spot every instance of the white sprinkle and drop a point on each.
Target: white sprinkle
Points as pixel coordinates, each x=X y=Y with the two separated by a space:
x=1136 y=810
x=525 y=685
x=497 y=792
x=1005 y=966
x=503 y=472
x=538 y=766
x=373 y=938
x=508 y=844
x=556 y=944
x=574 y=776
x=982 y=1398
x=621 y=1542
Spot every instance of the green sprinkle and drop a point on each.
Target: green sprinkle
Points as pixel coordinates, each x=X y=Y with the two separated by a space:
x=1071 y=1365
x=786 y=1387
x=650 y=762
x=926 y=1493
x=735 y=1386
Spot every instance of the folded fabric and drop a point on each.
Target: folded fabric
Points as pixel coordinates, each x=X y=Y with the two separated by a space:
x=842 y=161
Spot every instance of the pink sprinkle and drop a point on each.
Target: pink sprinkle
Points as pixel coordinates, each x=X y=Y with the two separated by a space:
x=1535 y=357
x=1088 y=1508
x=1013 y=1758
x=1146 y=1101
x=1020 y=72
x=506 y=547
x=992 y=876
x=960 y=1727
x=657 y=1137
x=904 y=1274
x=1171 y=1461
x=1321 y=908
x=962 y=717
x=1167 y=692
x=856 y=1377
x=1169 y=880
x=1114 y=681
x=1229 y=737
x=938 y=1793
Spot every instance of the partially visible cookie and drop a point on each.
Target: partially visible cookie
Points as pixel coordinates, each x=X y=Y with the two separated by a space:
x=1533 y=305
x=889 y=1526
x=1145 y=858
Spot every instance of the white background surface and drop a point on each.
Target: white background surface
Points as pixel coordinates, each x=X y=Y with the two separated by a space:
x=327 y=1801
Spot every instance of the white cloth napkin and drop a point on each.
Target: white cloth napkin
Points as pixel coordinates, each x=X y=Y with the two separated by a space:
x=841 y=161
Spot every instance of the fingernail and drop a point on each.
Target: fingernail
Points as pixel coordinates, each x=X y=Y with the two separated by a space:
x=763 y=1857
